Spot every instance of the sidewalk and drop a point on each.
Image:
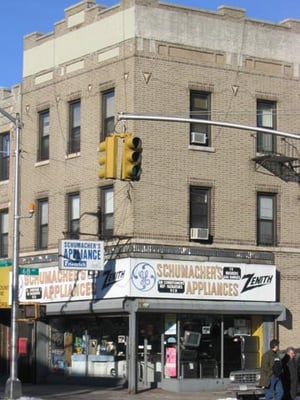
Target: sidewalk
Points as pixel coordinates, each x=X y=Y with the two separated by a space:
x=71 y=392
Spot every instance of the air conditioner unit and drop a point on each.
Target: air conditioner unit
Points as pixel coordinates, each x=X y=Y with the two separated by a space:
x=198 y=138
x=199 y=233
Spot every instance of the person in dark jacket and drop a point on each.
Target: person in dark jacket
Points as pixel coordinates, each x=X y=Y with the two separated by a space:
x=289 y=374
x=271 y=370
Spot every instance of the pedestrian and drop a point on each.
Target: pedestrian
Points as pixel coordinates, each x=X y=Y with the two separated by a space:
x=289 y=374
x=271 y=370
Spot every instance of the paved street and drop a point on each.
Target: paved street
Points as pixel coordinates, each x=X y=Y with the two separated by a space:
x=58 y=392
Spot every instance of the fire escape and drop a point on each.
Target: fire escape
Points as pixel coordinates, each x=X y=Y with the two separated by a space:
x=285 y=165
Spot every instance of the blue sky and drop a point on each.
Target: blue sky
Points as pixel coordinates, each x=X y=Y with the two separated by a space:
x=21 y=17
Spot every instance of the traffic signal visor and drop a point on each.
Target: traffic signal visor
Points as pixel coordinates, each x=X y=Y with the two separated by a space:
x=108 y=159
x=131 y=158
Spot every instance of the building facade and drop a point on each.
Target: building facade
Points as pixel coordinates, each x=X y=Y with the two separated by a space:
x=200 y=260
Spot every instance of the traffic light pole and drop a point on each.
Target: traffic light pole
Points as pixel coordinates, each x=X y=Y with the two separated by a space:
x=13 y=386
x=125 y=116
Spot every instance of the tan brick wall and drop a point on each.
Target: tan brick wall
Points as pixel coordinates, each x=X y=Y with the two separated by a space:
x=156 y=209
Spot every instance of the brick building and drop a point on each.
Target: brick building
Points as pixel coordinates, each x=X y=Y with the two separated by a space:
x=202 y=251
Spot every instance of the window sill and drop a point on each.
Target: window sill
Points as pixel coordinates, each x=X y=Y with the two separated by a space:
x=4 y=182
x=41 y=163
x=72 y=155
x=202 y=148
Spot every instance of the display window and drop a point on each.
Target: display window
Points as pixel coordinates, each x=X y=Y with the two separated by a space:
x=89 y=346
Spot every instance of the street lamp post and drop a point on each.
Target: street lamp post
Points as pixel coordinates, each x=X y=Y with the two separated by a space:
x=13 y=387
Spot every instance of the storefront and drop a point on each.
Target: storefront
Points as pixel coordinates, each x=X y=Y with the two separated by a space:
x=182 y=325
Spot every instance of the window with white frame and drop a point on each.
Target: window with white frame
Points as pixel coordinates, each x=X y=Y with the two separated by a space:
x=107 y=211
x=42 y=213
x=44 y=131
x=266 y=221
x=4 y=156
x=108 y=112
x=74 y=215
x=74 y=128
x=266 y=118
x=3 y=233
x=200 y=109
x=199 y=213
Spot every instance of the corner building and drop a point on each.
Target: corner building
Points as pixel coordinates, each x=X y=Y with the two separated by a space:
x=201 y=255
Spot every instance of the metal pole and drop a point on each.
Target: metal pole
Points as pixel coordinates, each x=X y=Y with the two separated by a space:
x=125 y=116
x=13 y=386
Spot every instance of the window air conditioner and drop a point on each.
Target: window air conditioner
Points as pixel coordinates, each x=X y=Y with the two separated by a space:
x=199 y=233
x=198 y=138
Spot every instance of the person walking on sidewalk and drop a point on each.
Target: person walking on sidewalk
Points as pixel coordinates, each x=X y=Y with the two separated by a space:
x=271 y=370
x=289 y=374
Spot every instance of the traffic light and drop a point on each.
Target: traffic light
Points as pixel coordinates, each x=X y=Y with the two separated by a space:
x=31 y=311
x=109 y=159
x=131 y=158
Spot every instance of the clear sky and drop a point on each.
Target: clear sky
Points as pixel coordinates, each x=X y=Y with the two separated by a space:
x=21 y=17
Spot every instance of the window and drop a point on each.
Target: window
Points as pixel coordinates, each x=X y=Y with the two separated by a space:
x=3 y=233
x=42 y=240
x=107 y=207
x=200 y=109
x=266 y=118
x=44 y=129
x=74 y=133
x=4 y=156
x=266 y=219
x=74 y=216
x=108 y=112
x=199 y=213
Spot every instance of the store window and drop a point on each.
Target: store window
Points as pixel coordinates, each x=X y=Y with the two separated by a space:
x=200 y=109
x=42 y=214
x=4 y=156
x=89 y=346
x=210 y=346
x=3 y=233
x=266 y=221
x=108 y=112
x=44 y=131
x=266 y=118
x=74 y=127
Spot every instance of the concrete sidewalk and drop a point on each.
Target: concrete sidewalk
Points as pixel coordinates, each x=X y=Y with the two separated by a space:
x=59 y=392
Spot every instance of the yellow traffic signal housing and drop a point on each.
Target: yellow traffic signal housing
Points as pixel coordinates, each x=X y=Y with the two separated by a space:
x=31 y=311
x=109 y=159
x=131 y=158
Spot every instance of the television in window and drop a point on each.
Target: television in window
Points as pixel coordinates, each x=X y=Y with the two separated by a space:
x=191 y=339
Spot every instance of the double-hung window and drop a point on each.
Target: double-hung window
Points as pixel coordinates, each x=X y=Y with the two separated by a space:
x=3 y=233
x=266 y=219
x=199 y=213
x=107 y=211
x=73 y=215
x=44 y=131
x=4 y=156
x=42 y=239
x=108 y=112
x=74 y=128
x=266 y=118
x=200 y=109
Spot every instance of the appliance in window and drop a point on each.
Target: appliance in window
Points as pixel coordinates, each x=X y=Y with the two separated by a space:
x=191 y=339
x=199 y=233
x=198 y=137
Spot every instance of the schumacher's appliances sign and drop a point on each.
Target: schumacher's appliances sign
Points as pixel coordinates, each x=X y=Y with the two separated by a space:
x=189 y=280
x=152 y=278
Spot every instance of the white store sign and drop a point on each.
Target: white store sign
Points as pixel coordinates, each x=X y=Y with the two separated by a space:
x=152 y=278
x=187 y=280
x=81 y=254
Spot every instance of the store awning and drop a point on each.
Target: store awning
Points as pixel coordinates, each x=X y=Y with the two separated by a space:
x=213 y=307
x=275 y=309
